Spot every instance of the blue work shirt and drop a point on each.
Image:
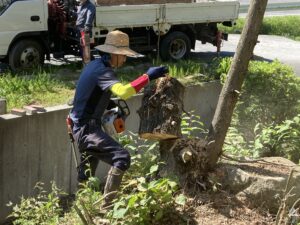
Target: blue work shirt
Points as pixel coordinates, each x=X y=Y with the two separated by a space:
x=92 y=94
x=85 y=15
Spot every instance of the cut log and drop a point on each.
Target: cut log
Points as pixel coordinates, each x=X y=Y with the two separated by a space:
x=161 y=110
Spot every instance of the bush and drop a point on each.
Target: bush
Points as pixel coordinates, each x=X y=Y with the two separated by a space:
x=265 y=117
x=270 y=93
x=279 y=140
x=287 y=26
x=147 y=203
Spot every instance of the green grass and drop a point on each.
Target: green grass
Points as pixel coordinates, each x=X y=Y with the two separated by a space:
x=40 y=87
x=187 y=71
x=55 y=85
x=286 y=26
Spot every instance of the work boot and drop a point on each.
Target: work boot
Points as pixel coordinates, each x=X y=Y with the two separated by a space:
x=112 y=185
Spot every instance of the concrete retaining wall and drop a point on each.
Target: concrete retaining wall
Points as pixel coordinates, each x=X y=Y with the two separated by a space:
x=36 y=148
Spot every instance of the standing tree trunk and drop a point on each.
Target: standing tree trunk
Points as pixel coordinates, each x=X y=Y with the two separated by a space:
x=232 y=87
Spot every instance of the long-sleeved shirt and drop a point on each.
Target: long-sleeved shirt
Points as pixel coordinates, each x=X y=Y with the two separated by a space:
x=85 y=15
x=96 y=84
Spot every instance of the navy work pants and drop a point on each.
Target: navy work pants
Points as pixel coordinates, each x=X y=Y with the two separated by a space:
x=94 y=145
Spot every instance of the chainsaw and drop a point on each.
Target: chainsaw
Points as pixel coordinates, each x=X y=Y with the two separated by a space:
x=113 y=120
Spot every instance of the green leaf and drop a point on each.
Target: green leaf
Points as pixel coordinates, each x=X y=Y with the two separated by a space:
x=119 y=213
x=172 y=184
x=142 y=187
x=153 y=169
x=180 y=199
x=141 y=180
x=152 y=146
x=159 y=215
x=132 y=201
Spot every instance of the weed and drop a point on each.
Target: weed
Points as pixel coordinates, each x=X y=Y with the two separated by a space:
x=40 y=87
x=43 y=209
x=192 y=126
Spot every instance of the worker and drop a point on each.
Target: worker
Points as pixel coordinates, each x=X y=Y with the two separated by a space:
x=84 y=24
x=85 y=16
x=96 y=84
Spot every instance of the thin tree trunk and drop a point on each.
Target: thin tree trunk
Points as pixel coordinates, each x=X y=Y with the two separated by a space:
x=232 y=87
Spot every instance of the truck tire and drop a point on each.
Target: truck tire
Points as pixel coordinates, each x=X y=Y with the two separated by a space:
x=175 y=46
x=26 y=54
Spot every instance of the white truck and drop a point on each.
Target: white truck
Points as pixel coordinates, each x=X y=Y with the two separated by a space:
x=31 y=30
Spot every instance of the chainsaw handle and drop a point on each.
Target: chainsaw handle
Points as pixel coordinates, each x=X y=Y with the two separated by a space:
x=122 y=104
x=69 y=128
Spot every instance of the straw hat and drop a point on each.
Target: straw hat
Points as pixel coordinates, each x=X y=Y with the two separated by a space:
x=117 y=42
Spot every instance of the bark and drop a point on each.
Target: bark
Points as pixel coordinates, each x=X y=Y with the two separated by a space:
x=232 y=87
x=160 y=113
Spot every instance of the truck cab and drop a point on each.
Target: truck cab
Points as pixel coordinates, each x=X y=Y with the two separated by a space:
x=23 y=25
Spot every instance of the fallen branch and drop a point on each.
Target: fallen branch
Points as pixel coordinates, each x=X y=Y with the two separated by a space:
x=87 y=214
x=287 y=193
x=103 y=197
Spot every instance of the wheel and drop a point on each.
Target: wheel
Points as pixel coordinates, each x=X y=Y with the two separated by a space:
x=175 y=46
x=26 y=54
x=3 y=68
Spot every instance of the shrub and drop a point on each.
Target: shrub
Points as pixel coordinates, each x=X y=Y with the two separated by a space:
x=286 y=26
x=43 y=209
x=270 y=93
x=148 y=203
x=266 y=115
x=279 y=140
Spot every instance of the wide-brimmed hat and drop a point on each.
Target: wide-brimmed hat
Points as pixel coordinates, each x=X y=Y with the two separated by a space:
x=117 y=42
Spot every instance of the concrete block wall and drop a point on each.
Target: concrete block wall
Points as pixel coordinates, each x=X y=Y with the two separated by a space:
x=36 y=148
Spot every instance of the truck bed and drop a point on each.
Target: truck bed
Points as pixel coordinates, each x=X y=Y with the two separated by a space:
x=148 y=15
x=138 y=2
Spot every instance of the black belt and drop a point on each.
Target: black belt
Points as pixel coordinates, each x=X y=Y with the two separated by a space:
x=82 y=122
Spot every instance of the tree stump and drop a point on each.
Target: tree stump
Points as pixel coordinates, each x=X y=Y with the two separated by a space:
x=186 y=159
x=160 y=119
x=161 y=110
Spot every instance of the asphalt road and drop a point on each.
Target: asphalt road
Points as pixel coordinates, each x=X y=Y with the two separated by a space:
x=269 y=48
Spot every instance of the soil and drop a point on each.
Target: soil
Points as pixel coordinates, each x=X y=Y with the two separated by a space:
x=217 y=206
x=224 y=208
